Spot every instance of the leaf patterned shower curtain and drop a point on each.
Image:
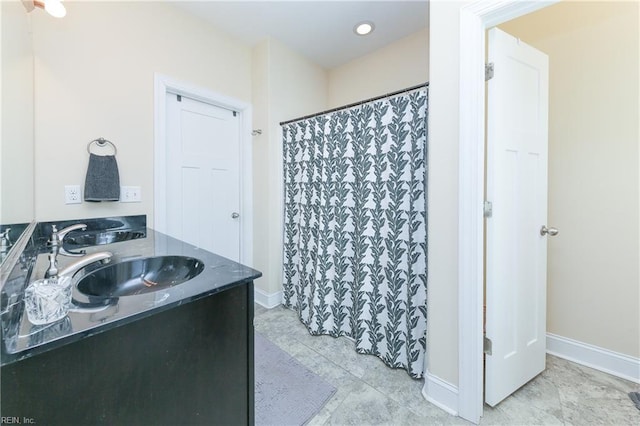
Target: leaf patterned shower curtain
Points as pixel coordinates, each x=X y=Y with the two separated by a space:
x=355 y=244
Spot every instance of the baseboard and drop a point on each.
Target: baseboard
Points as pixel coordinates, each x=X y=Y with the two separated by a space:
x=268 y=300
x=617 y=364
x=442 y=394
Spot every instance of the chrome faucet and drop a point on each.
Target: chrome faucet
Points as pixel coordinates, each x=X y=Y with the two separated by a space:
x=57 y=239
x=5 y=242
x=56 y=244
x=103 y=256
x=53 y=271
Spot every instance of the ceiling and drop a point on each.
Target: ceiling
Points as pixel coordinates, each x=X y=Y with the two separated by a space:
x=322 y=31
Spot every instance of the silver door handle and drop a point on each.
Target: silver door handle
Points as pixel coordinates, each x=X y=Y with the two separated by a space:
x=235 y=215
x=551 y=231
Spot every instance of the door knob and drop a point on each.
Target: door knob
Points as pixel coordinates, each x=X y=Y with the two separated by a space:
x=235 y=215
x=551 y=231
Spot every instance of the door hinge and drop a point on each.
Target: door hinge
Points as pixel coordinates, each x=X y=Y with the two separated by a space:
x=487 y=345
x=488 y=71
x=234 y=113
x=179 y=98
x=488 y=209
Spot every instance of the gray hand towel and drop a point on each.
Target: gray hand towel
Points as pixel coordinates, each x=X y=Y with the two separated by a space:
x=102 y=182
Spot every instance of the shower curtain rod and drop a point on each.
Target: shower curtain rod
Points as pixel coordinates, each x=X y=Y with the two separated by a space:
x=408 y=89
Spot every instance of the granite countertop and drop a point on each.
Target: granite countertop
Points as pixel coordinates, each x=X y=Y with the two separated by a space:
x=21 y=339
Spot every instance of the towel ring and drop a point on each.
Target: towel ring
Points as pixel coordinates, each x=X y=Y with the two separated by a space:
x=101 y=142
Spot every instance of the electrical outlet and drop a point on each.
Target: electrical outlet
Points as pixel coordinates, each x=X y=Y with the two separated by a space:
x=72 y=194
x=130 y=194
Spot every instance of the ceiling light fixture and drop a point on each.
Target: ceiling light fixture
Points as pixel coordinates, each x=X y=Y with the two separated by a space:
x=364 y=28
x=54 y=8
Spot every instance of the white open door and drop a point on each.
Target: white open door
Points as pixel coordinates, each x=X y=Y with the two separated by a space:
x=203 y=182
x=516 y=251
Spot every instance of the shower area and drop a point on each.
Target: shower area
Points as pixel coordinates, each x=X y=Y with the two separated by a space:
x=355 y=221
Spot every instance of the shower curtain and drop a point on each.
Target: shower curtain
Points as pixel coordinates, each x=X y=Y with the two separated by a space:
x=355 y=244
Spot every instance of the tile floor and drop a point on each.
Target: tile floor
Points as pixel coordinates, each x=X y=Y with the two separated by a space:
x=370 y=393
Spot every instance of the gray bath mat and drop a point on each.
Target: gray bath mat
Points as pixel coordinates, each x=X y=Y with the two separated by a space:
x=287 y=393
x=635 y=397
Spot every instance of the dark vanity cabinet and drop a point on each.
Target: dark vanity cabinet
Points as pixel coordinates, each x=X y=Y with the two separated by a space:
x=190 y=363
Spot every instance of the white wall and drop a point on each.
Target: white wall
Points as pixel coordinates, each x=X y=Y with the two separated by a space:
x=442 y=278
x=262 y=220
x=443 y=193
x=286 y=86
x=16 y=116
x=593 y=279
x=94 y=78
x=399 y=65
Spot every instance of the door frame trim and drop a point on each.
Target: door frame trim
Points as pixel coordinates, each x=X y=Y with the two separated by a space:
x=164 y=84
x=475 y=18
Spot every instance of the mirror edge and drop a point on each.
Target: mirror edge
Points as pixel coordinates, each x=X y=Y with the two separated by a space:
x=14 y=253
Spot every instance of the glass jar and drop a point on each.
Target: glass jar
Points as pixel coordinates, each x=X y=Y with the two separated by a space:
x=48 y=300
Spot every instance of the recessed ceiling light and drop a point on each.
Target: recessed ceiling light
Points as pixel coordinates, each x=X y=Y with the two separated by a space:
x=364 y=28
x=55 y=8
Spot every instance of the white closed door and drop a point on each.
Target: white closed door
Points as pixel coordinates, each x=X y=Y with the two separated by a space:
x=516 y=252
x=203 y=182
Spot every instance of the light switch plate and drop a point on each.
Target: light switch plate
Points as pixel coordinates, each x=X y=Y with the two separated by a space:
x=130 y=194
x=72 y=194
